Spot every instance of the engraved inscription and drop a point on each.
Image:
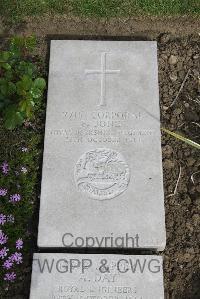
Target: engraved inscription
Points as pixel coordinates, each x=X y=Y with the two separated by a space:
x=102 y=173
x=112 y=127
x=95 y=292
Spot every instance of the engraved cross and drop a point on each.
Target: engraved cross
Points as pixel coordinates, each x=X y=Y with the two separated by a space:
x=103 y=72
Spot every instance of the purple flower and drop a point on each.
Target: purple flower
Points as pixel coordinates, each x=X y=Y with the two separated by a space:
x=3 y=238
x=15 y=198
x=3 y=192
x=7 y=264
x=24 y=149
x=2 y=219
x=5 y=167
x=3 y=252
x=16 y=257
x=19 y=244
x=24 y=169
x=10 y=218
x=10 y=276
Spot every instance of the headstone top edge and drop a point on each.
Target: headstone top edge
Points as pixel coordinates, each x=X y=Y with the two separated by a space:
x=61 y=41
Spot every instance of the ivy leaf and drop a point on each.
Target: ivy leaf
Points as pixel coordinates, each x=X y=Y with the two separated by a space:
x=23 y=105
x=27 y=82
x=35 y=93
x=6 y=66
x=27 y=106
x=26 y=68
x=39 y=83
x=24 y=85
x=4 y=56
x=8 y=75
x=20 y=89
x=7 y=88
x=13 y=118
x=29 y=111
x=4 y=102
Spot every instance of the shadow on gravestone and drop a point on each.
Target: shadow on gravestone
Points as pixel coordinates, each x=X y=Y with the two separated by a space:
x=49 y=37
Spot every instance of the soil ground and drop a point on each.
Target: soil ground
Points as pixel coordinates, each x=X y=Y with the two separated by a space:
x=178 y=53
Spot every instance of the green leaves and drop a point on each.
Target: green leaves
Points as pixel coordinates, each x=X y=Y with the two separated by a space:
x=6 y=66
x=40 y=83
x=7 y=88
x=20 y=89
x=26 y=106
x=38 y=87
x=24 y=85
x=4 y=56
x=13 y=118
x=26 y=68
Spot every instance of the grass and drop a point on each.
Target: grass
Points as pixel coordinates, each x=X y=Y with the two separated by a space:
x=15 y=11
x=112 y=8
x=182 y=138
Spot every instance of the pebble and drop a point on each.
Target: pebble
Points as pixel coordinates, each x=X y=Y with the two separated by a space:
x=168 y=164
x=165 y=38
x=196 y=56
x=167 y=150
x=165 y=108
x=173 y=77
x=187 y=257
x=173 y=60
x=190 y=161
x=187 y=105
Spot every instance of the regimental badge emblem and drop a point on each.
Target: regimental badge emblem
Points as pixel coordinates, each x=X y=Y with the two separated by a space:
x=102 y=173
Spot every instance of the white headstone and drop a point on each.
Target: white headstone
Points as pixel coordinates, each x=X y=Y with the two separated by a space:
x=74 y=276
x=102 y=167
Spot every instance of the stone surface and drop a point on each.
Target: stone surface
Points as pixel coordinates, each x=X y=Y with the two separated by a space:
x=75 y=276
x=173 y=60
x=102 y=166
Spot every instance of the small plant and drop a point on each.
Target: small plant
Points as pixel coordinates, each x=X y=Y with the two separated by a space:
x=21 y=89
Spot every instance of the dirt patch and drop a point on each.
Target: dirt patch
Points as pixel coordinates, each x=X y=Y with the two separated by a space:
x=178 y=58
x=66 y=24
